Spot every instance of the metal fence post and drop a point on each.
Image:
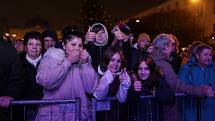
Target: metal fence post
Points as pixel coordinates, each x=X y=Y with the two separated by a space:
x=94 y=109
x=77 y=109
x=198 y=103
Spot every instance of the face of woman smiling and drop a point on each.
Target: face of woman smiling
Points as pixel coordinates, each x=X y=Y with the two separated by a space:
x=143 y=71
x=115 y=63
x=74 y=44
x=33 y=48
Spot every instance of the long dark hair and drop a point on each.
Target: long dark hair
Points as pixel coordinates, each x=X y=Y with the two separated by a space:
x=153 y=70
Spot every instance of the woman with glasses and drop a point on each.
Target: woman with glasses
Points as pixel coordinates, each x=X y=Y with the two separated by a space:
x=161 y=55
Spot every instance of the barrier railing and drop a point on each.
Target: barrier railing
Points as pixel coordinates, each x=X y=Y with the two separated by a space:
x=76 y=103
x=96 y=106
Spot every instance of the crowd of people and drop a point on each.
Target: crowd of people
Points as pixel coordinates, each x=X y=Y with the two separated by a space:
x=98 y=63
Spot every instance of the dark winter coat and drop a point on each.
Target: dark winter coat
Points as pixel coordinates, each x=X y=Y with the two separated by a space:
x=33 y=91
x=11 y=78
x=97 y=49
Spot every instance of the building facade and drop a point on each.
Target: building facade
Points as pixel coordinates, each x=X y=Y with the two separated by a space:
x=203 y=9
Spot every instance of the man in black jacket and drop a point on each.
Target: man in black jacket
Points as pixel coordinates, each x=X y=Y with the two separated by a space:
x=11 y=82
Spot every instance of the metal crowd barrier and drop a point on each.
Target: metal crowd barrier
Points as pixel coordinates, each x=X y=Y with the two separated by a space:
x=96 y=106
x=76 y=103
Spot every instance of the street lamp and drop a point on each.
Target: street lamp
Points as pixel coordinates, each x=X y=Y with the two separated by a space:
x=7 y=34
x=14 y=35
x=197 y=6
x=194 y=1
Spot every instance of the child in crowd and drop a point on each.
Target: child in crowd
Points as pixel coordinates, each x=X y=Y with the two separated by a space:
x=114 y=81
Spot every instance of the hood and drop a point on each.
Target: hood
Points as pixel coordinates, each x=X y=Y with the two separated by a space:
x=192 y=61
x=106 y=33
x=56 y=54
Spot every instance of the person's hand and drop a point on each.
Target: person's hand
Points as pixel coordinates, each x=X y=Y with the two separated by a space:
x=137 y=86
x=150 y=49
x=125 y=78
x=119 y=35
x=5 y=101
x=90 y=36
x=84 y=56
x=74 y=56
x=209 y=90
x=109 y=76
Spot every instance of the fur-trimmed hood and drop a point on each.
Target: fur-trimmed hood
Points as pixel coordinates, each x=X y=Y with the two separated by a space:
x=106 y=33
x=55 y=53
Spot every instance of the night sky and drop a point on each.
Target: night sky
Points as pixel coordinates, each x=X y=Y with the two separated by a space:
x=63 y=12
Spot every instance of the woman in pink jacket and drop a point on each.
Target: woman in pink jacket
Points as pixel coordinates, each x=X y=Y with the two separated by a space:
x=66 y=74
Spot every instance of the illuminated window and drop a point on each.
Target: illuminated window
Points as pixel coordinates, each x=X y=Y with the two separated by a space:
x=168 y=8
x=213 y=27
x=214 y=9
x=176 y=5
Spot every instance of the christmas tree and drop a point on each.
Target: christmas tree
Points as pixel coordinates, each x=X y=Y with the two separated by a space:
x=92 y=12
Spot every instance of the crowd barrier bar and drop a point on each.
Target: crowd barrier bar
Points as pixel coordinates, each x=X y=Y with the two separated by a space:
x=94 y=102
x=77 y=103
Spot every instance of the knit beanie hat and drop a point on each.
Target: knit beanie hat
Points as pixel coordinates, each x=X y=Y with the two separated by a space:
x=50 y=33
x=124 y=27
